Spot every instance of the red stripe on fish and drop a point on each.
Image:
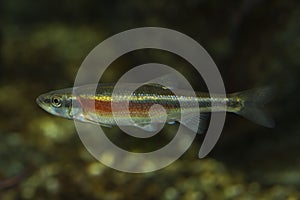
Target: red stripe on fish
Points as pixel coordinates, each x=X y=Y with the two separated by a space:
x=104 y=106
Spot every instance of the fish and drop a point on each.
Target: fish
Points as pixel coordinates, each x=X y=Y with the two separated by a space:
x=90 y=105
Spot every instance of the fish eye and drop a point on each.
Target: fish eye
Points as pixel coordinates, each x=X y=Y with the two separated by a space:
x=56 y=101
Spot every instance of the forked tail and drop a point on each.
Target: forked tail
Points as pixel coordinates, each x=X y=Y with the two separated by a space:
x=253 y=101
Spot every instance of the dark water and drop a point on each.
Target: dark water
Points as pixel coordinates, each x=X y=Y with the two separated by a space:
x=42 y=45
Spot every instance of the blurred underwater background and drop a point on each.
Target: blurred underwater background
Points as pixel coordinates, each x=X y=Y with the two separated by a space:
x=253 y=43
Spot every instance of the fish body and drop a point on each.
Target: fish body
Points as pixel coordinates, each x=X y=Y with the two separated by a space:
x=86 y=105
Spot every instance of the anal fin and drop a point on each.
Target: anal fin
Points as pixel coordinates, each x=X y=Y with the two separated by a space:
x=152 y=127
x=195 y=124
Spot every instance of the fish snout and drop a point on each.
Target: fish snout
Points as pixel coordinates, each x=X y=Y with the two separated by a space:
x=42 y=101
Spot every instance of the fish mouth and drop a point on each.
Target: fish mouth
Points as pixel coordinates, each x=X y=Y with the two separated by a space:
x=41 y=101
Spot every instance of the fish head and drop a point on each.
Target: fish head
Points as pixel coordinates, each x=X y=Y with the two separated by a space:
x=57 y=103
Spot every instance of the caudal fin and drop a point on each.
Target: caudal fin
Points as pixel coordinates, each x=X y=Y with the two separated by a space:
x=253 y=102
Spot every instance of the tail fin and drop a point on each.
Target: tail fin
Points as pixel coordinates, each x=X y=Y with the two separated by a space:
x=253 y=101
